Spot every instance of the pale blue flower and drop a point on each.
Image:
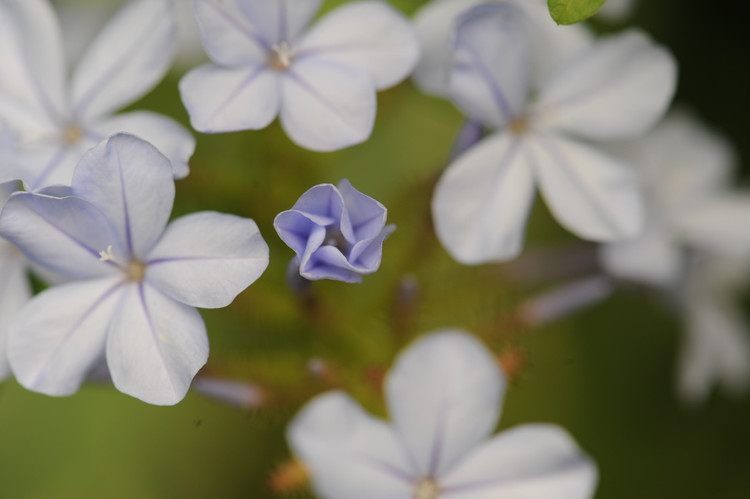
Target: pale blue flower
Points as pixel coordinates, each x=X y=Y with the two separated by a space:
x=337 y=232
x=613 y=89
x=444 y=396
x=321 y=82
x=55 y=120
x=136 y=283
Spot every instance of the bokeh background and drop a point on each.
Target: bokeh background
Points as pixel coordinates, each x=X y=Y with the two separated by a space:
x=606 y=373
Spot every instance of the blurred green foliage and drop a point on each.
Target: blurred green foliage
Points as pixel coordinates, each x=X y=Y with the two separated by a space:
x=573 y=11
x=606 y=374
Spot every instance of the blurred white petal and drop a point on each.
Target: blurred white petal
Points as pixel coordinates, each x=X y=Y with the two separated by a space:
x=615 y=90
x=530 y=462
x=368 y=35
x=482 y=201
x=128 y=58
x=591 y=194
x=349 y=453
x=491 y=70
x=169 y=137
x=444 y=395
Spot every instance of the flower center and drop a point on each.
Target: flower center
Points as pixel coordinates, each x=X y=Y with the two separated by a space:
x=519 y=125
x=133 y=271
x=426 y=488
x=281 y=56
x=71 y=134
x=335 y=238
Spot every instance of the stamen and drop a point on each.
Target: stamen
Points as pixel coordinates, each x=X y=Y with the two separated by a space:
x=72 y=133
x=134 y=270
x=426 y=488
x=107 y=256
x=281 y=56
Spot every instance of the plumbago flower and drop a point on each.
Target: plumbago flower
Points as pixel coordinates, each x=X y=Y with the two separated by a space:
x=15 y=290
x=337 y=232
x=612 y=90
x=55 y=122
x=322 y=82
x=695 y=247
x=137 y=283
x=444 y=395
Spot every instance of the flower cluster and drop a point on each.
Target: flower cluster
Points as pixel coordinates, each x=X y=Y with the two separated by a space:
x=87 y=194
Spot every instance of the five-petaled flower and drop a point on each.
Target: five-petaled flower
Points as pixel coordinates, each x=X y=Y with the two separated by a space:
x=135 y=282
x=613 y=89
x=337 y=232
x=53 y=124
x=444 y=396
x=322 y=82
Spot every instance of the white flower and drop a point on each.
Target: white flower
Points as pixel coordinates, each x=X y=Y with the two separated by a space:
x=321 y=82
x=612 y=90
x=55 y=121
x=136 y=279
x=444 y=395
x=696 y=246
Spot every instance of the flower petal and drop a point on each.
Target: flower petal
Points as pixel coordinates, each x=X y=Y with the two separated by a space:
x=229 y=38
x=653 y=257
x=367 y=216
x=716 y=348
x=58 y=337
x=326 y=106
x=62 y=234
x=168 y=136
x=349 y=453
x=481 y=202
x=591 y=194
x=15 y=291
x=46 y=166
x=22 y=122
x=719 y=225
x=130 y=55
x=491 y=70
x=434 y=23
x=681 y=162
x=131 y=183
x=369 y=35
x=33 y=67
x=227 y=100
x=155 y=345
x=616 y=90
x=206 y=259
x=279 y=20
x=530 y=461
x=444 y=394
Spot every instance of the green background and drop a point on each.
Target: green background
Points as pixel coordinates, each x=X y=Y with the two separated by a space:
x=606 y=374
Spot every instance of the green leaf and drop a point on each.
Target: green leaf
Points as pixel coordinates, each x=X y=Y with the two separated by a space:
x=573 y=11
